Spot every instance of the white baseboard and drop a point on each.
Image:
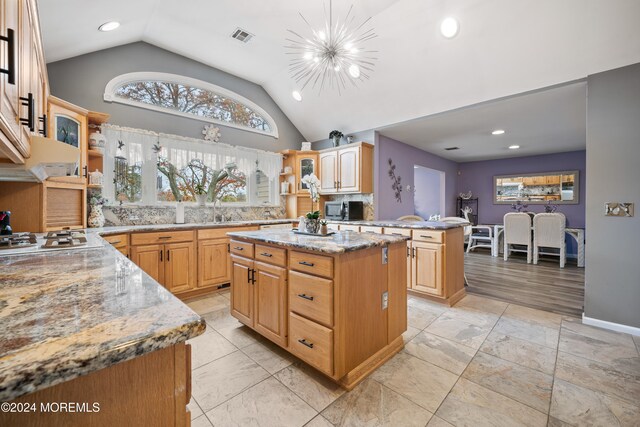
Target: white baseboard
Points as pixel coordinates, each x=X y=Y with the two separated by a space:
x=610 y=325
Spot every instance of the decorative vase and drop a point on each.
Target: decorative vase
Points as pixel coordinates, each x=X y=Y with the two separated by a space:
x=324 y=229
x=336 y=141
x=97 y=141
x=312 y=225
x=201 y=199
x=96 y=217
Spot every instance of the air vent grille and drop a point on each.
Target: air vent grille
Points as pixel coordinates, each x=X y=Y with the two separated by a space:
x=242 y=35
x=452 y=148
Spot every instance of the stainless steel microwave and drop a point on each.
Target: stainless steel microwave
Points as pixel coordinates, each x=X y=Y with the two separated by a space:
x=344 y=211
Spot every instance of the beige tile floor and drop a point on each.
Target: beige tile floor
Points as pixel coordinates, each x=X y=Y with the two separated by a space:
x=480 y=363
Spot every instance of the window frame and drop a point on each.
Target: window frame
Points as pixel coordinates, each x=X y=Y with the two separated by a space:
x=114 y=84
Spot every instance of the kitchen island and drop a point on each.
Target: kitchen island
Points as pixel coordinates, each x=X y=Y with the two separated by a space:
x=88 y=338
x=336 y=302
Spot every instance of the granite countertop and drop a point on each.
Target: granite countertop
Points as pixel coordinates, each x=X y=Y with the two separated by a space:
x=340 y=242
x=419 y=225
x=65 y=314
x=191 y=226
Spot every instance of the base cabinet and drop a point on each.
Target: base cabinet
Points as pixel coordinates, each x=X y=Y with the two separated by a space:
x=242 y=290
x=426 y=268
x=270 y=302
x=214 y=263
x=172 y=264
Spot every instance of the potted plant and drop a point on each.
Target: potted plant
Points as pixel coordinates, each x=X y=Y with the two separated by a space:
x=323 y=227
x=312 y=222
x=200 y=194
x=336 y=136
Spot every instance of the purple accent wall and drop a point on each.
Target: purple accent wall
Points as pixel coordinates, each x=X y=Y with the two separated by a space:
x=405 y=157
x=478 y=177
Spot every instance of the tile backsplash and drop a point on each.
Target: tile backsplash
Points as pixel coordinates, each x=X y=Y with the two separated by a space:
x=142 y=215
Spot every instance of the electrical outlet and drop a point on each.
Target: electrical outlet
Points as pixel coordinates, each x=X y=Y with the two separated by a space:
x=385 y=255
x=133 y=218
x=385 y=300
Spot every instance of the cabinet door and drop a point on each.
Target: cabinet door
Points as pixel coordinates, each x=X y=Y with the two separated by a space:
x=270 y=315
x=426 y=268
x=24 y=83
x=328 y=172
x=9 y=97
x=151 y=260
x=214 y=262
x=180 y=263
x=242 y=290
x=349 y=170
x=307 y=165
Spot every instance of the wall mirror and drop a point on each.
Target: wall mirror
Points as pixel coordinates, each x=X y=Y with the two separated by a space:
x=537 y=188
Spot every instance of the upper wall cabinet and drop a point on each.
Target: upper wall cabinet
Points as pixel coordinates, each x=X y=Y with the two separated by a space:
x=347 y=169
x=23 y=80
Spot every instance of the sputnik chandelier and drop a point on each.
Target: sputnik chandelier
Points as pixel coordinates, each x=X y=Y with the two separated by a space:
x=333 y=56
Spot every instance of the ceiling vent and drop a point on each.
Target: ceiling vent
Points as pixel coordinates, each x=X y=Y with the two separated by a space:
x=452 y=148
x=242 y=35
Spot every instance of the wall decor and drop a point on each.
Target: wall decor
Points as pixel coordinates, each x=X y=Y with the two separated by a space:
x=211 y=133
x=396 y=181
x=466 y=196
x=306 y=146
x=618 y=209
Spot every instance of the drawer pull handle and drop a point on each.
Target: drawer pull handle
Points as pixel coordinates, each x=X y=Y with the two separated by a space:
x=304 y=342
x=10 y=71
x=115 y=242
x=305 y=296
x=308 y=264
x=238 y=248
x=397 y=234
x=426 y=237
x=164 y=237
x=266 y=254
x=370 y=232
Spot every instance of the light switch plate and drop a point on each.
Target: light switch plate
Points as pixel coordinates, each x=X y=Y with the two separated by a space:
x=618 y=209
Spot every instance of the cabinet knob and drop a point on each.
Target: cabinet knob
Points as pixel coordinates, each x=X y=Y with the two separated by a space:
x=10 y=71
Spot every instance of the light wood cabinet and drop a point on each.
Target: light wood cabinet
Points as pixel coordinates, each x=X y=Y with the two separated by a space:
x=242 y=290
x=297 y=200
x=427 y=268
x=173 y=265
x=342 y=314
x=270 y=302
x=120 y=242
x=214 y=263
x=347 y=169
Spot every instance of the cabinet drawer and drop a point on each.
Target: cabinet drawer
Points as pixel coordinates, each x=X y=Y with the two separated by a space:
x=347 y=227
x=318 y=265
x=311 y=342
x=398 y=231
x=161 y=237
x=241 y=248
x=428 y=236
x=311 y=297
x=368 y=229
x=117 y=240
x=271 y=255
x=220 y=233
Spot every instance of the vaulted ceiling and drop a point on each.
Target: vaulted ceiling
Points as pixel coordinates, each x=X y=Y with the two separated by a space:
x=504 y=47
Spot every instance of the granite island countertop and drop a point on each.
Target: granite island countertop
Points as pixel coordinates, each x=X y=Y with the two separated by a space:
x=340 y=242
x=65 y=314
x=416 y=225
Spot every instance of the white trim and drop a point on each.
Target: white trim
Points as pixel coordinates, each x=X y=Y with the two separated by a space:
x=610 y=325
x=122 y=79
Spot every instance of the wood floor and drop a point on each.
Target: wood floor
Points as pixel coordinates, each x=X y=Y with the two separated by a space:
x=545 y=286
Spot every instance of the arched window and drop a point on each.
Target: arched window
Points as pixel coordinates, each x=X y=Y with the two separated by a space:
x=187 y=97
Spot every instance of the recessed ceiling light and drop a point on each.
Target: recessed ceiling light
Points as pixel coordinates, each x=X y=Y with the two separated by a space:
x=449 y=27
x=296 y=95
x=497 y=132
x=109 y=26
x=514 y=147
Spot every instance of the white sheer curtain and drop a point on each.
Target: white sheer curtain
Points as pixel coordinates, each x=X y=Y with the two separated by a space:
x=138 y=149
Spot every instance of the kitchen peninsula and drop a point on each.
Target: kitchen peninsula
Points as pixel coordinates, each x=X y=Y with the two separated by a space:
x=90 y=327
x=337 y=302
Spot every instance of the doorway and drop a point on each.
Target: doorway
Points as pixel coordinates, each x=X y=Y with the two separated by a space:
x=428 y=185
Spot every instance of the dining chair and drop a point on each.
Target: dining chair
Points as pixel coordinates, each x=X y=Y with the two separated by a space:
x=548 y=232
x=481 y=236
x=410 y=218
x=517 y=231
